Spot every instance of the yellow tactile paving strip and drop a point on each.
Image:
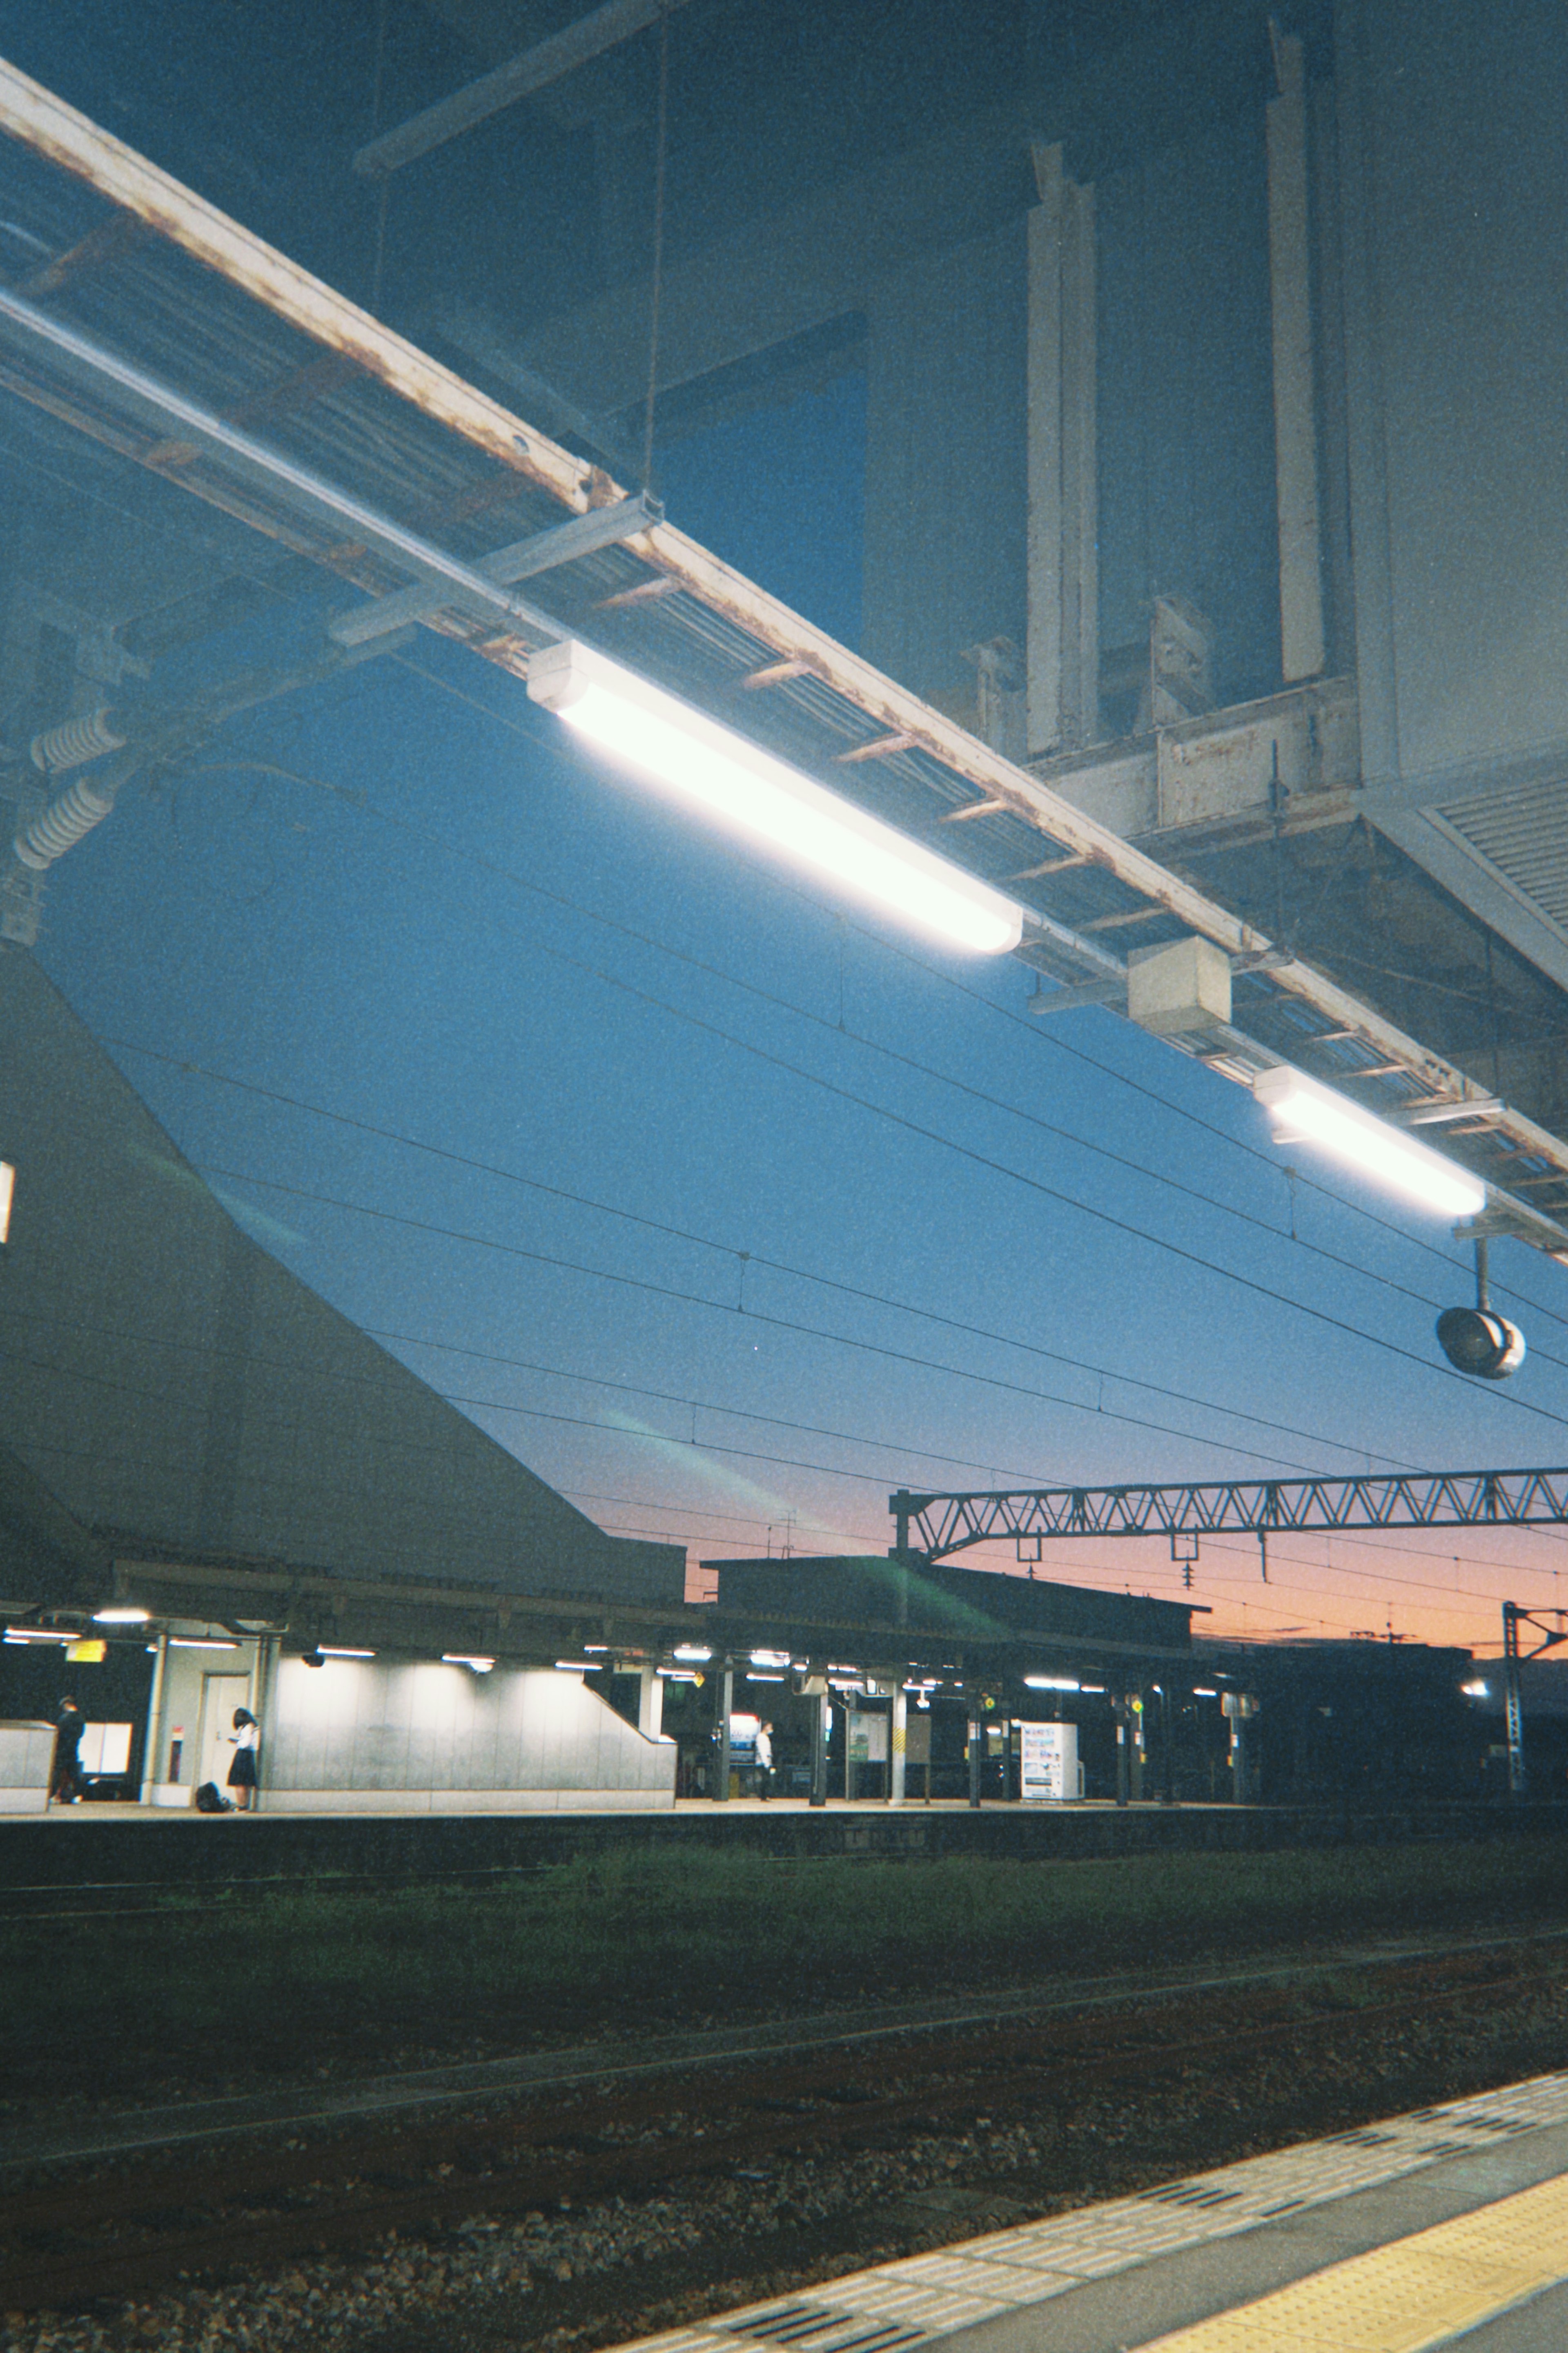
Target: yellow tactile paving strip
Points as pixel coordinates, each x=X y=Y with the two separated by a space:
x=1417 y=2292
x=919 y=2299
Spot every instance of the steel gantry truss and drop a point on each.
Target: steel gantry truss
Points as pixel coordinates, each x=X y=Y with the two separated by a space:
x=935 y=1526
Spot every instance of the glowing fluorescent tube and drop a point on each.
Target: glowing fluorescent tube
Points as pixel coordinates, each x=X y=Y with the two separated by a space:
x=8 y=1194
x=1301 y=1109
x=671 y=744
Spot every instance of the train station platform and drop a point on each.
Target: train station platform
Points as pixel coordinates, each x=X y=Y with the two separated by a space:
x=128 y=1845
x=1447 y=2227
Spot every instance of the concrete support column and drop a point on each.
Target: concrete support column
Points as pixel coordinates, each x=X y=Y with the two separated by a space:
x=1123 y=1768
x=976 y=1757
x=154 y=1737
x=899 y=1743
x=1302 y=634
x=650 y=1703
x=1062 y=663
x=821 y=1715
x=264 y=1706
x=723 y=1702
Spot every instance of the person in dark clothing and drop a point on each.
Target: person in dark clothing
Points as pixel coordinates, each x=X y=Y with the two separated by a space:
x=66 y=1781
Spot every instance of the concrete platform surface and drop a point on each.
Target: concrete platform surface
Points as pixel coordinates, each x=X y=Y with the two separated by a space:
x=1445 y=2227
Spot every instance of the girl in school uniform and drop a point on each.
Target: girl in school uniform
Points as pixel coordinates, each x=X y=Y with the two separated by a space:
x=242 y=1772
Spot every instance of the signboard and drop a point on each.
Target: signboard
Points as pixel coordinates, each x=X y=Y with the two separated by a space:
x=867 y=1738
x=1047 y=1762
x=917 y=1737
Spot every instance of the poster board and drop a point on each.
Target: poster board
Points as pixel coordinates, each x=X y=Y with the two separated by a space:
x=868 y=1738
x=1047 y=1762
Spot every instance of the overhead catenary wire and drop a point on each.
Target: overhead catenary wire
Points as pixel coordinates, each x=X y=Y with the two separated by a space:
x=730 y=1250
x=561 y=955
x=568 y=753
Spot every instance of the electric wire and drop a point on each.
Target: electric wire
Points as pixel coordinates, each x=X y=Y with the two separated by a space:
x=479 y=859
x=567 y=753
x=719 y=1306
x=730 y=1250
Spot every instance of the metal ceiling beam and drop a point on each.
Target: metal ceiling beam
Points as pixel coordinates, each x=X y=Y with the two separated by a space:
x=49 y=126
x=297 y=485
x=937 y=1525
x=543 y=551
x=531 y=69
x=44 y=123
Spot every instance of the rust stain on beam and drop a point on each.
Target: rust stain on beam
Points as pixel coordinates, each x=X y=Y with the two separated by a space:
x=646 y=592
x=1119 y=922
x=1051 y=866
x=774 y=673
x=882 y=749
x=975 y=808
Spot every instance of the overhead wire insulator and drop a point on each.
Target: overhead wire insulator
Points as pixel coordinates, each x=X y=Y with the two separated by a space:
x=75 y=741
x=59 y=827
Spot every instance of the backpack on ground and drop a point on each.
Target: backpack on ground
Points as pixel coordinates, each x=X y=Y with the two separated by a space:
x=210 y=1800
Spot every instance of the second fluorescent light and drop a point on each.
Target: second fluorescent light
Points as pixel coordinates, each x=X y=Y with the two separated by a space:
x=1303 y=1109
x=675 y=745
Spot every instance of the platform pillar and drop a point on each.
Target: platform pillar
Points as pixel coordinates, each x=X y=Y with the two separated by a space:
x=899 y=1743
x=976 y=1734
x=723 y=1701
x=820 y=1719
x=155 y=1720
x=650 y=1703
x=1123 y=1771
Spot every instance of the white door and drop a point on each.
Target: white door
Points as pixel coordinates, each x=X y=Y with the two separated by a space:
x=221 y=1695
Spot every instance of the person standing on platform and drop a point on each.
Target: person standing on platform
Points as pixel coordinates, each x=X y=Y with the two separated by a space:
x=242 y=1772
x=765 y=1751
x=65 y=1781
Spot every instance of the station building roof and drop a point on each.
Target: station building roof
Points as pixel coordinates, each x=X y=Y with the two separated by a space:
x=171 y=1393
x=884 y=1599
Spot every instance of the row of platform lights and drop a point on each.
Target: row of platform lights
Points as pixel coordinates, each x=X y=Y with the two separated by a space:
x=689 y=1658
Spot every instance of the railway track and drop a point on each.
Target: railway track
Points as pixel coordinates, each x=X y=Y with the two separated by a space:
x=71 y=2242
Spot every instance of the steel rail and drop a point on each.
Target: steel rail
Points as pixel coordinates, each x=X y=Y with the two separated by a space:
x=936 y=1525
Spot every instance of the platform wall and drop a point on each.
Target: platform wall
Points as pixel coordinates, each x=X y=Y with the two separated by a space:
x=381 y=1736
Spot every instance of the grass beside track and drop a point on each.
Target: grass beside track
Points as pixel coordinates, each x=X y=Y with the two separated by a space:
x=204 y=1992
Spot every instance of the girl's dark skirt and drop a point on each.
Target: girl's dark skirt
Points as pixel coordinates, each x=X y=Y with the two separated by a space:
x=242 y=1772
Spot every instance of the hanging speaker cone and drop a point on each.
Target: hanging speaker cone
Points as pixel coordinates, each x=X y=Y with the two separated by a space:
x=1478 y=1341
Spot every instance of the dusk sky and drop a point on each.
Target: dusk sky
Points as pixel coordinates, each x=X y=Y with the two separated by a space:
x=726 y=1208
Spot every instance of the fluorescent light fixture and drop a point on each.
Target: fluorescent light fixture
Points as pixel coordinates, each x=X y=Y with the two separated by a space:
x=1302 y=1111
x=474 y=1659
x=579 y=1666
x=333 y=1650
x=7 y=1192
x=1203 y=1691
x=1098 y=1689
x=1053 y=1682
x=755 y=1678
x=199 y=1642
x=672 y=745
x=36 y=1634
x=770 y=1658
x=589 y=1649
x=1476 y=1690
x=691 y=1650
x=119 y=1616
x=675 y=1675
